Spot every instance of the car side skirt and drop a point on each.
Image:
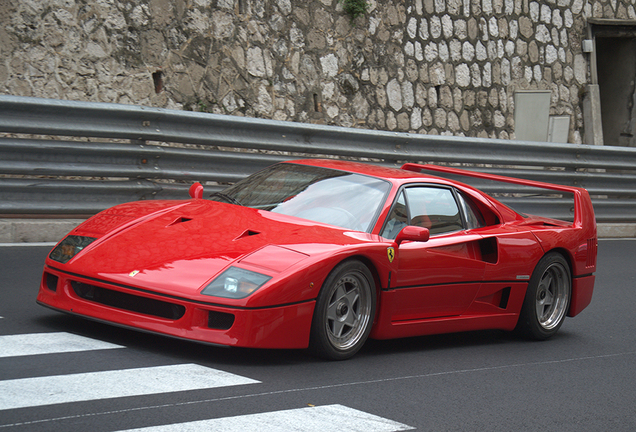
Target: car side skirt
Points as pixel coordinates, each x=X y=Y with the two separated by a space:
x=454 y=324
x=486 y=312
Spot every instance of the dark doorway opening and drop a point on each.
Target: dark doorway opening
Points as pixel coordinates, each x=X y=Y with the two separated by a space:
x=616 y=68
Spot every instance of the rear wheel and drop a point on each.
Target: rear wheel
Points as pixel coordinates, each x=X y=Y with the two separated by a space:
x=344 y=312
x=547 y=298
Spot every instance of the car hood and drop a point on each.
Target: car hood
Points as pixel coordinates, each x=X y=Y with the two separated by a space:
x=178 y=247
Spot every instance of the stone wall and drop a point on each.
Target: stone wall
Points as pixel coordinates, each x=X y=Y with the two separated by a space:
x=426 y=66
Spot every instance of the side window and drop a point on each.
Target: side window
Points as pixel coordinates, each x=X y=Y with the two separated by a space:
x=397 y=219
x=433 y=208
x=474 y=218
x=428 y=207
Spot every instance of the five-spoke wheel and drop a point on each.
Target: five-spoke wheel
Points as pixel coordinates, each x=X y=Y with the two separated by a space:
x=344 y=311
x=547 y=298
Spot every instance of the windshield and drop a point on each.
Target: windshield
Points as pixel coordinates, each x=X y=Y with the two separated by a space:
x=339 y=198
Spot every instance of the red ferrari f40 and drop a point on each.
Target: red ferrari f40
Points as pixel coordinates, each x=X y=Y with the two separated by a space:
x=323 y=254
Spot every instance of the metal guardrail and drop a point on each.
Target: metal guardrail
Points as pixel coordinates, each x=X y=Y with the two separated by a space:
x=149 y=153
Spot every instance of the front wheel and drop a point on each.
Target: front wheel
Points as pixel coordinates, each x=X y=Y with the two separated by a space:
x=547 y=298
x=344 y=312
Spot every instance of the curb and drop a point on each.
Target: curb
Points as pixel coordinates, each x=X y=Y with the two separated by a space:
x=35 y=230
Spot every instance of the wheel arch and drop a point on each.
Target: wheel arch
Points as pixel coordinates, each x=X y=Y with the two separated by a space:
x=581 y=287
x=371 y=265
x=376 y=278
x=566 y=256
x=553 y=298
x=318 y=344
x=570 y=262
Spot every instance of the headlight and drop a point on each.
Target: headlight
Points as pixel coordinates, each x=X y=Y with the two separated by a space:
x=69 y=247
x=235 y=283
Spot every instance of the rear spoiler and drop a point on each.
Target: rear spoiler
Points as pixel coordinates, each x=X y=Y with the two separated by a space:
x=583 y=210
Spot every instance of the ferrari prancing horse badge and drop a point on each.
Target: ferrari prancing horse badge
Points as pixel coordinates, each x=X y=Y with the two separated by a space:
x=390 y=253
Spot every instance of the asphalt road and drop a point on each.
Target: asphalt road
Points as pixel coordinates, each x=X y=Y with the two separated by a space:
x=584 y=379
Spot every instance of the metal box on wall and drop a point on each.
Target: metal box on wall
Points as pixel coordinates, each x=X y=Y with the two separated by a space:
x=532 y=110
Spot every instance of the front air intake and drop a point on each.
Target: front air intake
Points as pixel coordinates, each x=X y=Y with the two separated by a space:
x=220 y=320
x=51 y=281
x=129 y=302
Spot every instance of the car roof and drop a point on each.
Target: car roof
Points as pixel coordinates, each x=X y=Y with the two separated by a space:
x=395 y=175
x=399 y=177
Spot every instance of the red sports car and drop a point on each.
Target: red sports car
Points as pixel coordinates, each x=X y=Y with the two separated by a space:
x=323 y=254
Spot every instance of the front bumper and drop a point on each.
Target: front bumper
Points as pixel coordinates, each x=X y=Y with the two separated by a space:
x=284 y=326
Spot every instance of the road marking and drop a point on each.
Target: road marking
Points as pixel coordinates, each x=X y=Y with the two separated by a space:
x=310 y=419
x=322 y=387
x=29 y=392
x=238 y=398
x=48 y=244
x=49 y=343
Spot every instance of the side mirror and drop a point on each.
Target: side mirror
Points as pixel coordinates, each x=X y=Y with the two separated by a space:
x=196 y=191
x=413 y=233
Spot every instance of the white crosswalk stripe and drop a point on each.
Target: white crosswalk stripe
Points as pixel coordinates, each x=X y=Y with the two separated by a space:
x=29 y=392
x=310 y=419
x=60 y=389
x=48 y=343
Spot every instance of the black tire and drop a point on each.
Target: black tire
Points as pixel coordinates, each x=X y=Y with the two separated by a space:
x=547 y=299
x=344 y=312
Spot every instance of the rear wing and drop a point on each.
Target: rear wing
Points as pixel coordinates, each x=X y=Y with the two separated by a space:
x=583 y=210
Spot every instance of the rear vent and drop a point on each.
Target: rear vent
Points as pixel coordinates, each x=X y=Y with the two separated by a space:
x=498 y=299
x=220 y=320
x=505 y=296
x=489 y=250
x=591 y=252
x=129 y=302
x=51 y=281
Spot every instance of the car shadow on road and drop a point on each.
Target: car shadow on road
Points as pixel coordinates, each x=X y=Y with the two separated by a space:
x=174 y=348
x=184 y=350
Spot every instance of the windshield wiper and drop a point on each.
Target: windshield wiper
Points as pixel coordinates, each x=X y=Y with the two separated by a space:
x=227 y=198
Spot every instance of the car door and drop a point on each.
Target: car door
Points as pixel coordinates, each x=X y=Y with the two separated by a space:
x=440 y=277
